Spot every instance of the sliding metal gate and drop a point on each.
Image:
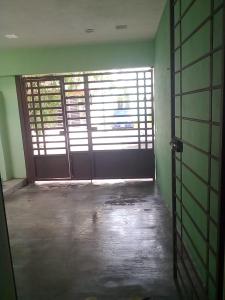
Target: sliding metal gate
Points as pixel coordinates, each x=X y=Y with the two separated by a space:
x=197 y=63
x=89 y=126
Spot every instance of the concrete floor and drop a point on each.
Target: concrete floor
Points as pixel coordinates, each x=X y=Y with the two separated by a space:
x=79 y=242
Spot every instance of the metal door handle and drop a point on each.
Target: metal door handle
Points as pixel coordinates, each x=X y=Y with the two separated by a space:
x=176 y=145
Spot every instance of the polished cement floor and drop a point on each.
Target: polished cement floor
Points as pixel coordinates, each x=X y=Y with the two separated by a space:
x=91 y=241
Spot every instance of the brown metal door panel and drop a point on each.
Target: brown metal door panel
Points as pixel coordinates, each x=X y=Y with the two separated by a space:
x=52 y=167
x=124 y=164
x=121 y=123
x=45 y=124
x=81 y=165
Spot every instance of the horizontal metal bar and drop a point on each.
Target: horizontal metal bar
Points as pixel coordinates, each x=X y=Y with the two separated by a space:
x=196 y=226
x=44 y=129
x=119 y=116
x=110 y=109
x=111 y=137
x=105 y=81
x=47 y=142
x=121 y=143
x=199 y=149
x=197 y=175
x=122 y=109
x=108 y=102
x=45 y=108
x=45 y=115
x=76 y=118
x=208 y=54
x=55 y=148
x=206 y=89
x=198 y=120
x=105 y=88
x=109 y=130
x=43 y=87
x=189 y=276
x=184 y=13
x=199 y=27
x=47 y=122
x=43 y=95
x=181 y=279
x=79 y=145
x=124 y=122
x=123 y=101
x=44 y=101
x=197 y=202
x=46 y=135
x=122 y=137
x=116 y=80
x=192 y=264
x=115 y=95
x=192 y=242
x=42 y=78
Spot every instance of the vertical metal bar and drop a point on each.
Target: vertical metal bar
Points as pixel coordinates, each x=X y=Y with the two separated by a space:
x=221 y=231
x=145 y=109
x=172 y=136
x=152 y=107
x=35 y=117
x=41 y=116
x=138 y=111
x=181 y=121
x=89 y=127
x=26 y=133
x=210 y=145
x=65 y=124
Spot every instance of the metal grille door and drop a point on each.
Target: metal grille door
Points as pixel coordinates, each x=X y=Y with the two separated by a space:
x=47 y=127
x=197 y=51
x=91 y=125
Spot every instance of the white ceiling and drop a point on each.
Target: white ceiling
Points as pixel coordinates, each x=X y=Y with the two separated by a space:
x=63 y=22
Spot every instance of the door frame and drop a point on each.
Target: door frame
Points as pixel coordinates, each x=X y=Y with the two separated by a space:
x=7 y=267
x=93 y=155
x=26 y=137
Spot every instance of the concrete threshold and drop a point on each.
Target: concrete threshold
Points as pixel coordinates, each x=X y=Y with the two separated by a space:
x=11 y=186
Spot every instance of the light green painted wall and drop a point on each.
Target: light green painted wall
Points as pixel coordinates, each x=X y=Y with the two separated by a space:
x=162 y=107
x=5 y=157
x=2 y=162
x=12 y=142
x=76 y=58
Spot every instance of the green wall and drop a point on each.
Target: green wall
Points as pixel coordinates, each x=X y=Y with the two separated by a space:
x=12 y=162
x=76 y=58
x=5 y=157
x=162 y=107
